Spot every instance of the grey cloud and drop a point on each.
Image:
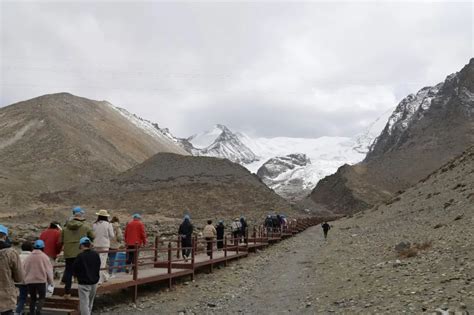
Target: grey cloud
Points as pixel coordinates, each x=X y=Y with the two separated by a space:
x=273 y=68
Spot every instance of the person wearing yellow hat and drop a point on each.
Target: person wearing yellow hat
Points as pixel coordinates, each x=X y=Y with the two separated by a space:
x=104 y=233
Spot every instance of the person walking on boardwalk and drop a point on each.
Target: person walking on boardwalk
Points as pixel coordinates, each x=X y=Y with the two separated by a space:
x=220 y=235
x=236 y=228
x=26 y=249
x=135 y=235
x=38 y=274
x=11 y=271
x=326 y=227
x=186 y=233
x=209 y=234
x=243 y=229
x=52 y=241
x=104 y=233
x=73 y=231
x=87 y=270
x=115 y=243
x=268 y=223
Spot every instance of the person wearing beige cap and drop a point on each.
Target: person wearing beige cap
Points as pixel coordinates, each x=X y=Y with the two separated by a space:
x=104 y=233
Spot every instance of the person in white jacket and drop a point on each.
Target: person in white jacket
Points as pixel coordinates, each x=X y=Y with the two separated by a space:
x=104 y=233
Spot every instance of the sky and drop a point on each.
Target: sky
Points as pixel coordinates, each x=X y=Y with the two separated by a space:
x=268 y=68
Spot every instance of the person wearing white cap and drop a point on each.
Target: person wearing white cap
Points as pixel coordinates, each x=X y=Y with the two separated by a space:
x=104 y=233
x=11 y=271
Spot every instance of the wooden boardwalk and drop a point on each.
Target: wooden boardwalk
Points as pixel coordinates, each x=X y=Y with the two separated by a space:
x=163 y=262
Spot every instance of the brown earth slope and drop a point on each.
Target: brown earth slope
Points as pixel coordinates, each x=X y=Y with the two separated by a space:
x=172 y=185
x=55 y=141
x=425 y=131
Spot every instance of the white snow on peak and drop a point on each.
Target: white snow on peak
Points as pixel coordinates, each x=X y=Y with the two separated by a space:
x=205 y=139
x=147 y=126
x=411 y=105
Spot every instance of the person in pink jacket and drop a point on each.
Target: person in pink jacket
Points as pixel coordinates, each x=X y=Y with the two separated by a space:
x=38 y=273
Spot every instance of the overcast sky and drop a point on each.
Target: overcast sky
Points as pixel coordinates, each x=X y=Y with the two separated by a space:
x=267 y=68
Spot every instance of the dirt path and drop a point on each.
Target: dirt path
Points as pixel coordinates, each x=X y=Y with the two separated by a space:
x=276 y=280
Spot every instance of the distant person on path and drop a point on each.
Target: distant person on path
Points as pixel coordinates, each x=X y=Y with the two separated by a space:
x=73 y=231
x=104 y=233
x=186 y=233
x=135 y=235
x=26 y=249
x=38 y=274
x=236 y=228
x=268 y=223
x=326 y=227
x=220 y=235
x=115 y=243
x=209 y=234
x=243 y=228
x=87 y=270
x=52 y=241
x=11 y=271
x=278 y=223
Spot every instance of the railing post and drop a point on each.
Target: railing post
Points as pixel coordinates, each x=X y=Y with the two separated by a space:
x=170 y=256
x=225 y=250
x=212 y=248
x=178 y=246
x=193 y=245
x=135 y=273
x=157 y=240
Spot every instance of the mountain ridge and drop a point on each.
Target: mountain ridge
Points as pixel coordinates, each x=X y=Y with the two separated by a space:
x=426 y=130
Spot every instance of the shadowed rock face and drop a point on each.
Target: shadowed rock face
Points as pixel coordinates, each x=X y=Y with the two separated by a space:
x=171 y=184
x=56 y=141
x=425 y=131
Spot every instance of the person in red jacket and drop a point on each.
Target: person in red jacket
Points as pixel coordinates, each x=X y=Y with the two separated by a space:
x=52 y=241
x=135 y=234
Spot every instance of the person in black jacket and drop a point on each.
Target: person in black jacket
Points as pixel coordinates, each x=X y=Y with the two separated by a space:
x=87 y=268
x=326 y=227
x=220 y=235
x=186 y=233
x=243 y=229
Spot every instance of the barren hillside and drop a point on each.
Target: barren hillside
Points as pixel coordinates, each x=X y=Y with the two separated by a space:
x=172 y=185
x=56 y=141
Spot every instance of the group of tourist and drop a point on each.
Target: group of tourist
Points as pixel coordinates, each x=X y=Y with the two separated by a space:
x=31 y=271
x=275 y=223
x=86 y=249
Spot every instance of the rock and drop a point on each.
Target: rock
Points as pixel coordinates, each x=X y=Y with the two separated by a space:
x=402 y=246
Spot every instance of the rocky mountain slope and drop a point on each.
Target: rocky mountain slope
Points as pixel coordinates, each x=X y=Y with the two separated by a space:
x=56 y=141
x=425 y=131
x=172 y=185
x=412 y=256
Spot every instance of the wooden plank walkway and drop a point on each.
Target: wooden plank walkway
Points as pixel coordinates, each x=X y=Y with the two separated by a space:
x=162 y=262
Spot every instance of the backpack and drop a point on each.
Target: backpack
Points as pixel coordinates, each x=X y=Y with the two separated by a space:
x=235 y=226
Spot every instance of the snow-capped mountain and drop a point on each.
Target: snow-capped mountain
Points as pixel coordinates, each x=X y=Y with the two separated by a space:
x=290 y=166
x=223 y=143
x=426 y=130
x=323 y=157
